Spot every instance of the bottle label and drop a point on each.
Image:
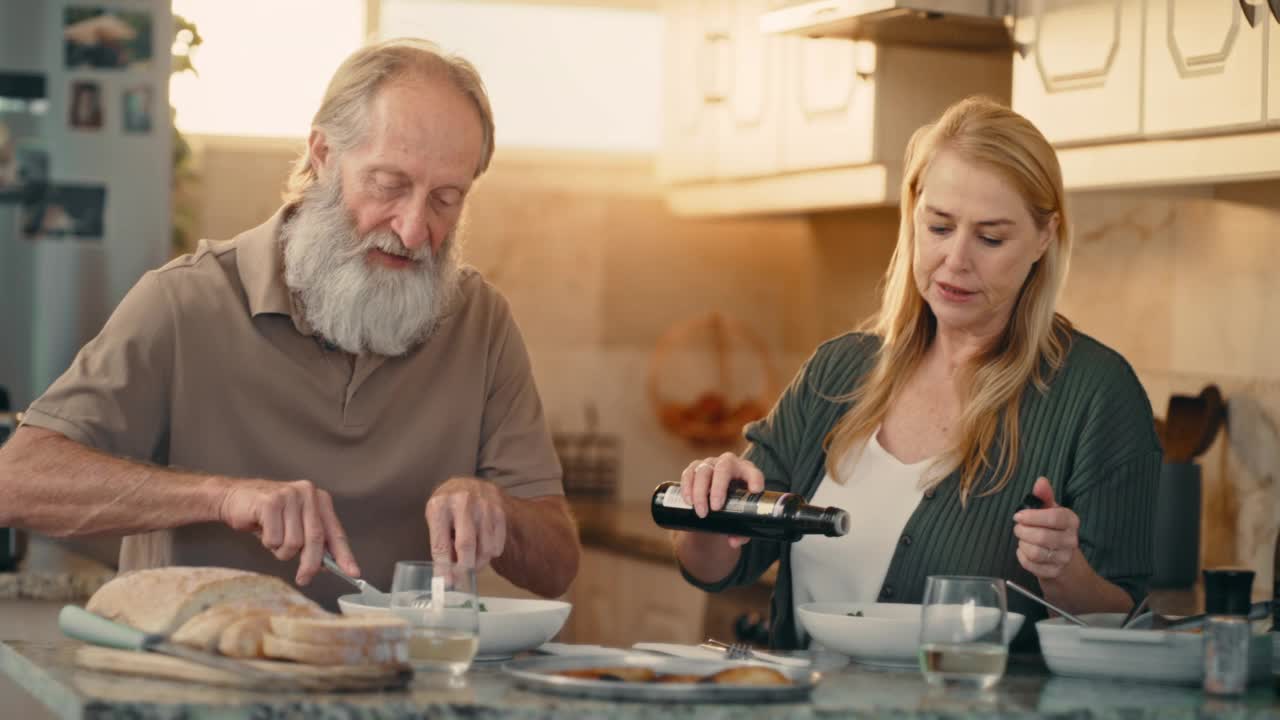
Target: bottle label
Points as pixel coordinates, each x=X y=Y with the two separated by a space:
x=765 y=503
x=673 y=499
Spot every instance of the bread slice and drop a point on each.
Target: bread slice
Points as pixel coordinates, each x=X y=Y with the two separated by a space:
x=333 y=630
x=229 y=626
x=274 y=646
x=749 y=675
x=161 y=600
x=613 y=674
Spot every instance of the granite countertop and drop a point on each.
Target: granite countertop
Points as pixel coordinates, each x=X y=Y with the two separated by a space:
x=46 y=670
x=50 y=572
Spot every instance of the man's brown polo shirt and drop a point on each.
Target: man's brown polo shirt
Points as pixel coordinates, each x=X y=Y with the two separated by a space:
x=206 y=365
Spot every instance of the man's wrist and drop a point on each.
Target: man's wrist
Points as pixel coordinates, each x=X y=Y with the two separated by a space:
x=214 y=492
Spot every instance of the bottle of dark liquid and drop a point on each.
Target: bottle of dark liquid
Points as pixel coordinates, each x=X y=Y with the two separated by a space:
x=767 y=515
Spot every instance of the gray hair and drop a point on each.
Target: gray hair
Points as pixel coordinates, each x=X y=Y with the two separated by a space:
x=343 y=114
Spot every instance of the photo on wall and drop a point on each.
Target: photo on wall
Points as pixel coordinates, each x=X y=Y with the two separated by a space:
x=25 y=174
x=85 y=105
x=64 y=211
x=106 y=39
x=137 y=104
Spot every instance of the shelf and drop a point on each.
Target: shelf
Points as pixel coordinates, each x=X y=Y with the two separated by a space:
x=1179 y=161
x=810 y=191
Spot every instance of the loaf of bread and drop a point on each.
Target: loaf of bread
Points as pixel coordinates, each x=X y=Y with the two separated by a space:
x=162 y=600
x=374 y=653
x=247 y=615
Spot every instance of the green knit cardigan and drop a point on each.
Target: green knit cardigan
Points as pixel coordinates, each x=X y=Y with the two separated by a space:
x=1091 y=434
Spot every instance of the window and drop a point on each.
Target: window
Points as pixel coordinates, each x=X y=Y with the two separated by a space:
x=263 y=65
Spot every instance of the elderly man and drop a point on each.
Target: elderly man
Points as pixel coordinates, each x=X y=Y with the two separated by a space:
x=317 y=381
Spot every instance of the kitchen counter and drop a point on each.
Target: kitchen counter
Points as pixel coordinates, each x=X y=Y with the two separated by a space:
x=50 y=572
x=46 y=670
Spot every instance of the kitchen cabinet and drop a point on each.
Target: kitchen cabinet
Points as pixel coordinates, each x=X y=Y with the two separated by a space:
x=721 y=83
x=1204 y=65
x=1273 y=62
x=697 y=33
x=852 y=103
x=748 y=143
x=620 y=600
x=1077 y=68
x=758 y=123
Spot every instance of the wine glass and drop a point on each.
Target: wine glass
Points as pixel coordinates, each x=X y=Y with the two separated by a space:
x=962 y=631
x=440 y=603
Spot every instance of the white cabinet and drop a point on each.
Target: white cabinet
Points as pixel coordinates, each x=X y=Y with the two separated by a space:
x=1204 y=65
x=830 y=100
x=748 y=144
x=1273 y=63
x=693 y=87
x=1077 y=68
x=853 y=103
x=767 y=123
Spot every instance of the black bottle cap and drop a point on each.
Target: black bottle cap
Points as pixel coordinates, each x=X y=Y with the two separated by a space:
x=1227 y=591
x=1031 y=502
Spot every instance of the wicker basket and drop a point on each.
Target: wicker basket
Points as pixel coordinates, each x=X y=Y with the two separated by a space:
x=732 y=358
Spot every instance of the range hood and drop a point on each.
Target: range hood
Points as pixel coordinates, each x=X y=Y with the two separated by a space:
x=966 y=24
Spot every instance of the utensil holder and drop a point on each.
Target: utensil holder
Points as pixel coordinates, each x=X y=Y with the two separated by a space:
x=1176 y=526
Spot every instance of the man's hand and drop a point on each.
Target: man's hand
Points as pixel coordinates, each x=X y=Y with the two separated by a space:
x=467 y=518
x=289 y=517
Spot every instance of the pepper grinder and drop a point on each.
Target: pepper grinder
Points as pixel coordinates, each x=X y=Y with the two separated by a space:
x=1227 y=631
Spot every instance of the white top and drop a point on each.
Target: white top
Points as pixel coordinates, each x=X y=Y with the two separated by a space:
x=880 y=492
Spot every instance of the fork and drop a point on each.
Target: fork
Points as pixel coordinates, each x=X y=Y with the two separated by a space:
x=732 y=651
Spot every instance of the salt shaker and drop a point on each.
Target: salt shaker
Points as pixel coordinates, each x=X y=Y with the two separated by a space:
x=1227 y=632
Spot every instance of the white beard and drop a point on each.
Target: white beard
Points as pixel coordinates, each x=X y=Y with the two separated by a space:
x=352 y=304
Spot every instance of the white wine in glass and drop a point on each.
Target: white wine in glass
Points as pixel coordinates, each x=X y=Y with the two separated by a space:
x=441 y=605
x=962 y=640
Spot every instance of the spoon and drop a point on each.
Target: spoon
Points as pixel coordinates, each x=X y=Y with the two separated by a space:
x=1072 y=618
x=363 y=586
x=1134 y=613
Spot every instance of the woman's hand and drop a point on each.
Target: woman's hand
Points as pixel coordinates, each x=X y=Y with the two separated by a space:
x=1048 y=538
x=704 y=484
x=1049 y=548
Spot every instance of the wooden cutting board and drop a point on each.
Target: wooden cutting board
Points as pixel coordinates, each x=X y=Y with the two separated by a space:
x=319 y=678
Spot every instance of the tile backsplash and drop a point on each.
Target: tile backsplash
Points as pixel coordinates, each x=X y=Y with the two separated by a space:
x=1182 y=282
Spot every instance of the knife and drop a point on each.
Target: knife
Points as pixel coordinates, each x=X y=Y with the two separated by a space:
x=78 y=623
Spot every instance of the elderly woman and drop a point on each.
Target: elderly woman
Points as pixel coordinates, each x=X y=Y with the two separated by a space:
x=967 y=393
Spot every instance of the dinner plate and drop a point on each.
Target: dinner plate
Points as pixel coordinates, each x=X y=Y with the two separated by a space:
x=507 y=625
x=538 y=674
x=881 y=634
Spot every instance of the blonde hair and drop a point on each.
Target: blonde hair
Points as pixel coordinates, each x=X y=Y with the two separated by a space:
x=1035 y=342
x=343 y=113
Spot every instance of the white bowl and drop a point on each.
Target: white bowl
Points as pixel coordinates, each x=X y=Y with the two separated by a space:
x=507 y=625
x=887 y=634
x=1103 y=650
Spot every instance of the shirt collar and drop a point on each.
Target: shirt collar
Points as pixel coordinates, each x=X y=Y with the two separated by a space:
x=260 y=261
